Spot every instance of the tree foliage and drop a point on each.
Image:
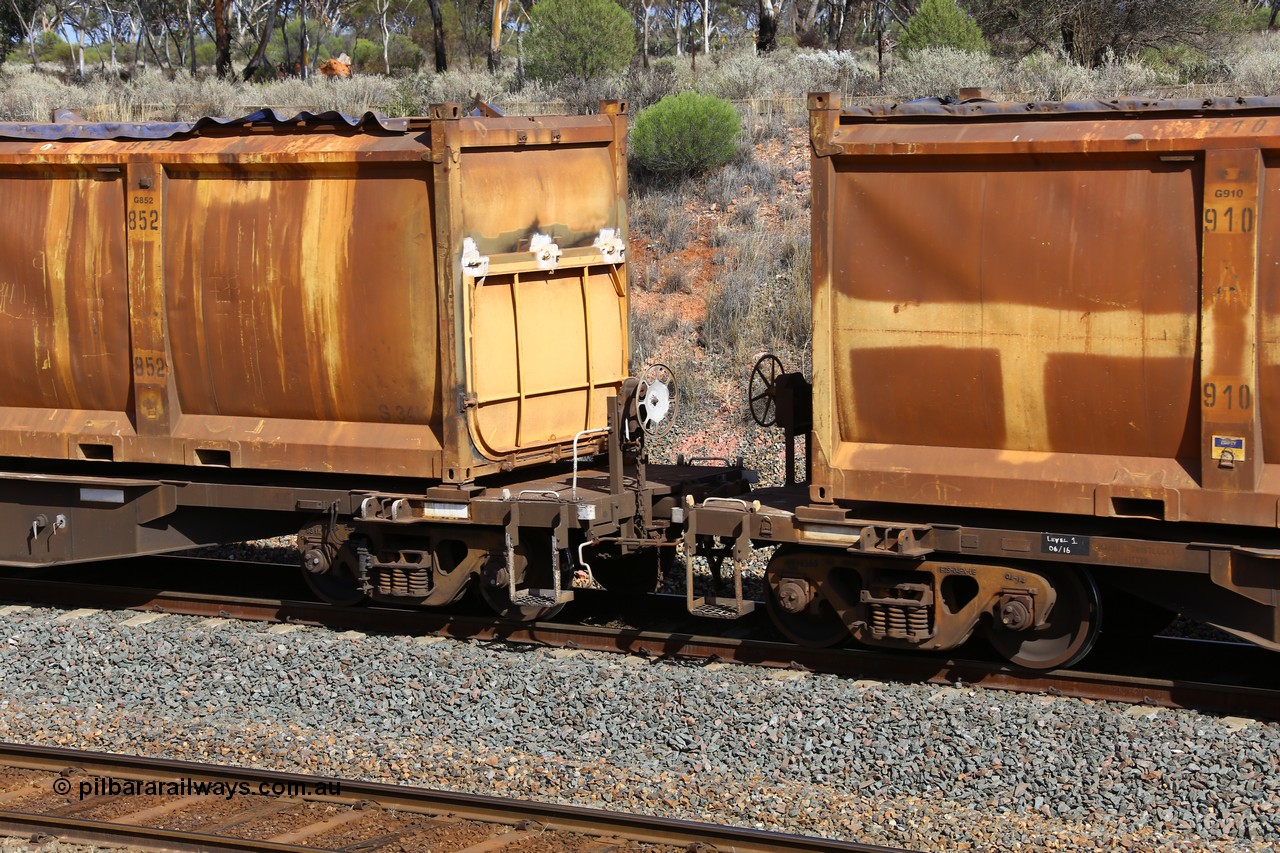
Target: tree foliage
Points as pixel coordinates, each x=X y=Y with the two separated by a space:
x=576 y=40
x=1091 y=31
x=941 y=23
x=12 y=26
x=686 y=134
x=579 y=39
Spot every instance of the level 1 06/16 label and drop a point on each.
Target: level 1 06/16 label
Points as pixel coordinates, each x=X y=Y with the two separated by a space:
x=1064 y=544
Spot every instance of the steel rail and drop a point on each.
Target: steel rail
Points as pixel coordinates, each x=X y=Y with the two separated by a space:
x=421 y=801
x=1201 y=695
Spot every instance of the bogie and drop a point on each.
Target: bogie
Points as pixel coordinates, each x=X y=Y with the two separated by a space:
x=1037 y=616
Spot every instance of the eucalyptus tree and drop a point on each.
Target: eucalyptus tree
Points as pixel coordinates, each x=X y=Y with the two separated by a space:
x=1090 y=31
x=20 y=20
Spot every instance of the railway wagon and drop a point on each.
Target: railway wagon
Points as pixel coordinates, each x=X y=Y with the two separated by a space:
x=1046 y=353
x=403 y=332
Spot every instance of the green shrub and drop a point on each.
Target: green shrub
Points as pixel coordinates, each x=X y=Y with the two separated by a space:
x=941 y=23
x=580 y=39
x=686 y=134
x=404 y=53
x=1187 y=64
x=366 y=55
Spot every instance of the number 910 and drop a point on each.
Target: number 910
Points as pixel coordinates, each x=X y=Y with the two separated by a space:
x=1227 y=396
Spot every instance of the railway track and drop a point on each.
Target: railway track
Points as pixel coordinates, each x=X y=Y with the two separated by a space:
x=1166 y=672
x=150 y=804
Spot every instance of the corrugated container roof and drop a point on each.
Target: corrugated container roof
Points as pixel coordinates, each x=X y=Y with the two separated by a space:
x=72 y=129
x=950 y=108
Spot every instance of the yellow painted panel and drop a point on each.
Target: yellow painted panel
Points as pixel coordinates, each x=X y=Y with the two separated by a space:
x=494 y=339
x=547 y=350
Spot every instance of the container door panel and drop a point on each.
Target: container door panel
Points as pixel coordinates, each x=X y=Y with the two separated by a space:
x=547 y=340
x=304 y=296
x=1267 y=394
x=64 y=304
x=1018 y=309
x=548 y=348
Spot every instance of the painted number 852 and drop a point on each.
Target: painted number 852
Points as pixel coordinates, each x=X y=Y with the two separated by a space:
x=144 y=220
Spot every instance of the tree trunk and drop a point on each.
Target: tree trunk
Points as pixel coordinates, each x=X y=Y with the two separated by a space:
x=1275 y=10
x=519 y=60
x=30 y=31
x=437 y=24
x=302 y=39
x=706 y=26
x=138 y=54
x=803 y=23
x=222 y=39
x=675 y=9
x=882 y=38
x=261 y=52
x=386 y=36
x=151 y=45
x=495 y=35
x=31 y=40
x=767 y=37
x=191 y=35
x=1069 y=42
x=385 y=9
x=848 y=31
x=648 y=9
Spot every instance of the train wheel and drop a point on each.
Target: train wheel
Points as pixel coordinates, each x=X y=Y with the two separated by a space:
x=330 y=561
x=534 y=551
x=797 y=608
x=338 y=585
x=1070 y=632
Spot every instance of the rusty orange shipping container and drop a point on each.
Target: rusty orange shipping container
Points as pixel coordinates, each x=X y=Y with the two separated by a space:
x=438 y=297
x=1069 y=309
x=1045 y=344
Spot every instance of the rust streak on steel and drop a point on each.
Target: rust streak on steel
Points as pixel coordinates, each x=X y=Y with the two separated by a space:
x=1056 y=322
x=1053 y=309
x=488 y=809
x=213 y=294
x=1207 y=697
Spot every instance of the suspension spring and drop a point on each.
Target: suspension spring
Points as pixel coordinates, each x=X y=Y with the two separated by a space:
x=879 y=623
x=918 y=622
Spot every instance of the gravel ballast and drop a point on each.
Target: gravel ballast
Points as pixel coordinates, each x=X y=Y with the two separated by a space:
x=950 y=768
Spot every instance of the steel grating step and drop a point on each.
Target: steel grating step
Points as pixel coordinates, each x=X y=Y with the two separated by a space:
x=540 y=597
x=724 y=608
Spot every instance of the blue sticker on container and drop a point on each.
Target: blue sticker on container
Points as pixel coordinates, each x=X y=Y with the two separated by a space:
x=1229 y=446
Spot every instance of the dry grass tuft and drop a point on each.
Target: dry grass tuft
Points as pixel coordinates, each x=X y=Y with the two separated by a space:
x=1255 y=66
